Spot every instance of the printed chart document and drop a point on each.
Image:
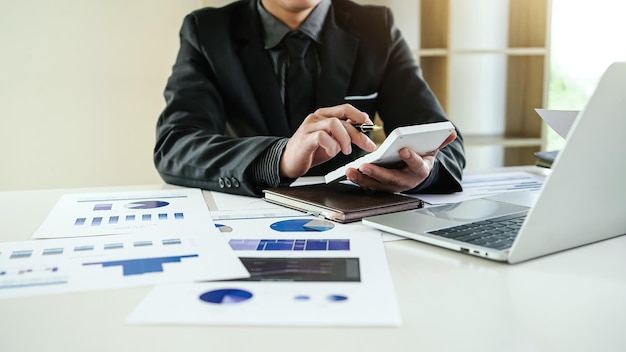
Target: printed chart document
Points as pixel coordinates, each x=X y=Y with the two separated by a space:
x=161 y=211
x=305 y=271
x=236 y=207
x=484 y=185
x=40 y=267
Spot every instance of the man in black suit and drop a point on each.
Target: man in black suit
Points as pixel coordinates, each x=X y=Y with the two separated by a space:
x=229 y=126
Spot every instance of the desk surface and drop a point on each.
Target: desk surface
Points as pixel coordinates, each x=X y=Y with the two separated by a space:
x=570 y=301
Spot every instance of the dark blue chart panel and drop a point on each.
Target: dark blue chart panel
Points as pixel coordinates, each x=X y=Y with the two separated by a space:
x=290 y=244
x=302 y=269
x=144 y=265
x=302 y=225
x=147 y=204
x=226 y=296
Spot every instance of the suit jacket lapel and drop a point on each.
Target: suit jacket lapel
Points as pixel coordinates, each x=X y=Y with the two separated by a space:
x=334 y=77
x=259 y=69
x=337 y=56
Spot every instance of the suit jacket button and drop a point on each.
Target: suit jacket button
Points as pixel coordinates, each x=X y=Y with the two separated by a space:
x=227 y=182
x=221 y=182
x=235 y=182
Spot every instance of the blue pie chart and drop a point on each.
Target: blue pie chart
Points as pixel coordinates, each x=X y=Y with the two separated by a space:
x=224 y=228
x=302 y=225
x=226 y=296
x=147 y=204
x=337 y=298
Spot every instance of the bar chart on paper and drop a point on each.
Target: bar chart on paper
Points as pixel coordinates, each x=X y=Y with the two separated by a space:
x=103 y=262
x=334 y=278
x=129 y=212
x=142 y=266
x=122 y=213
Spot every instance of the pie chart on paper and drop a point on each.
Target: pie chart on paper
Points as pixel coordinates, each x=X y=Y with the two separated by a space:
x=224 y=228
x=226 y=296
x=302 y=225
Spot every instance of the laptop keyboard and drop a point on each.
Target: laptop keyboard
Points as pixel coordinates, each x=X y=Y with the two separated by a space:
x=497 y=233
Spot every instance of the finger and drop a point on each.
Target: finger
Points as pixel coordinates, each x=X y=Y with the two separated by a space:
x=414 y=172
x=359 y=138
x=371 y=182
x=364 y=181
x=323 y=140
x=418 y=165
x=344 y=134
x=449 y=140
x=345 y=112
x=336 y=129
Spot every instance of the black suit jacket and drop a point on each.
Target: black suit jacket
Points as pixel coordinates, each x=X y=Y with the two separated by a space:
x=223 y=104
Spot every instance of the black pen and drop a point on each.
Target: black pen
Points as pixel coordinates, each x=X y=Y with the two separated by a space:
x=368 y=128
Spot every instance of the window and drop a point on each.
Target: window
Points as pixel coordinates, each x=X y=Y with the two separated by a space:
x=587 y=36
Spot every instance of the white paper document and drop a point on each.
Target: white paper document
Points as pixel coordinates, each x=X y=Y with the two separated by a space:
x=560 y=121
x=235 y=207
x=484 y=185
x=160 y=211
x=41 y=267
x=231 y=206
x=304 y=272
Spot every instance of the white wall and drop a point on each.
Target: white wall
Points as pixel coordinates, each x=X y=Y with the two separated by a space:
x=81 y=86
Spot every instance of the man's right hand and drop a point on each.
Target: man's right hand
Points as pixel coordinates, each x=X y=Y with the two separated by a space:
x=321 y=136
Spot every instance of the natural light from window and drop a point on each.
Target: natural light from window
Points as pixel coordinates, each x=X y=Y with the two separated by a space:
x=587 y=36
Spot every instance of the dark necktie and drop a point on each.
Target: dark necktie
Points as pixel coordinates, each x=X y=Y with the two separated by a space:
x=299 y=81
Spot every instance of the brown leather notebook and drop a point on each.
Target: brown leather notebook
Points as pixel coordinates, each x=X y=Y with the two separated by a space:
x=340 y=202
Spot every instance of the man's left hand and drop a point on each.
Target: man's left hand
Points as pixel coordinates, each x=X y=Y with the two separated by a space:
x=415 y=170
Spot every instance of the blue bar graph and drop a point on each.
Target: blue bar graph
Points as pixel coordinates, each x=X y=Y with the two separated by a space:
x=96 y=221
x=21 y=254
x=113 y=246
x=290 y=244
x=142 y=243
x=142 y=266
x=119 y=219
x=171 y=241
x=52 y=251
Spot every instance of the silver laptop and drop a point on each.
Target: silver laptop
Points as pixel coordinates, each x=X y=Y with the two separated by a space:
x=583 y=199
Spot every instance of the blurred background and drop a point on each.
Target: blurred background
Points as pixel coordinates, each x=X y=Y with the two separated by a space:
x=81 y=82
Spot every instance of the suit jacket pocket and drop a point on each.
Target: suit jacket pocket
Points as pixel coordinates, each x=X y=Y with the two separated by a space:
x=366 y=103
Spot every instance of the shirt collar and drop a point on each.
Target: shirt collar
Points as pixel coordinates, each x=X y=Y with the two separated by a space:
x=275 y=30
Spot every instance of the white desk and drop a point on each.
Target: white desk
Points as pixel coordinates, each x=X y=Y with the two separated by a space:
x=571 y=301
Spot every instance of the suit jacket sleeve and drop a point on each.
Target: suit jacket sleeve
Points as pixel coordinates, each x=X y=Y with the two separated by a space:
x=192 y=147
